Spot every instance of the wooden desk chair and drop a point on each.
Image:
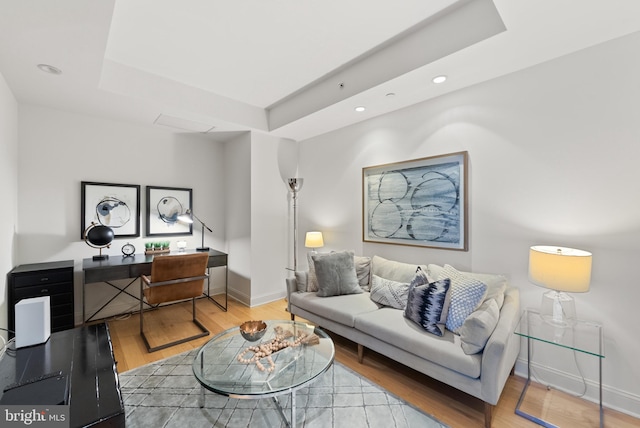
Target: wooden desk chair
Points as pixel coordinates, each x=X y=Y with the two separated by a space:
x=174 y=278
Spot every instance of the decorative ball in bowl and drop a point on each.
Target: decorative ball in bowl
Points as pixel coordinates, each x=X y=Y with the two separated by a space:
x=253 y=330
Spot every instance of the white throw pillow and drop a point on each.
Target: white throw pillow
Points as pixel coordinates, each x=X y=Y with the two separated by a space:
x=478 y=327
x=390 y=293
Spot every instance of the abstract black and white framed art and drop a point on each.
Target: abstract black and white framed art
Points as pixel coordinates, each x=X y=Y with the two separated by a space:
x=164 y=205
x=114 y=205
x=421 y=202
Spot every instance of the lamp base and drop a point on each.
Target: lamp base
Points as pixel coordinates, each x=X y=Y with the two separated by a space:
x=202 y=249
x=558 y=308
x=100 y=257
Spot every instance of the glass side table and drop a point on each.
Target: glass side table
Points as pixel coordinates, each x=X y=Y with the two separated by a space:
x=582 y=336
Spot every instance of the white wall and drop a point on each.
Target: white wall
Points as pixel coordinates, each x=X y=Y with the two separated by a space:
x=58 y=150
x=8 y=190
x=553 y=156
x=238 y=214
x=258 y=223
x=273 y=160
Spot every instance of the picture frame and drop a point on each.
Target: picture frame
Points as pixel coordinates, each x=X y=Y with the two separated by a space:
x=164 y=205
x=110 y=204
x=420 y=202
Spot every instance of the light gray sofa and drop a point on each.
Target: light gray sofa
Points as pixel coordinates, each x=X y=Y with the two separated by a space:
x=386 y=330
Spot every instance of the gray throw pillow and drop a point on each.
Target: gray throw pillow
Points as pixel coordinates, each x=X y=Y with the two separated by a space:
x=336 y=274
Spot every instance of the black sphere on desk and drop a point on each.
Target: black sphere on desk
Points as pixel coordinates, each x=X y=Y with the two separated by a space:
x=99 y=236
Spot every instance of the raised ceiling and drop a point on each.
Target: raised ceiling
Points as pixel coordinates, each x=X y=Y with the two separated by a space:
x=292 y=68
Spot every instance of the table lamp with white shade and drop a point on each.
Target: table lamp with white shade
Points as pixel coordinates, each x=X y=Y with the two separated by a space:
x=561 y=270
x=314 y=240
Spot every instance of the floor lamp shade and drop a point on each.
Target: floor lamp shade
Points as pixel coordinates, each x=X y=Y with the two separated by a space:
x=561 y=270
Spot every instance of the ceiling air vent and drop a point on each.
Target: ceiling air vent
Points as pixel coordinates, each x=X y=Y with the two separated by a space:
x=183 y=124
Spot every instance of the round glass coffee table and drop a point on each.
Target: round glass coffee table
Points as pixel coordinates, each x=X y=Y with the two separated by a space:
x=222 y=365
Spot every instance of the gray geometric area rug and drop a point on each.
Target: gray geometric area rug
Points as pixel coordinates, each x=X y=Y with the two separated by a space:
x=165 y=394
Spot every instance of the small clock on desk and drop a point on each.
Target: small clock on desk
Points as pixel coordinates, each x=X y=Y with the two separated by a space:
x=128 y=250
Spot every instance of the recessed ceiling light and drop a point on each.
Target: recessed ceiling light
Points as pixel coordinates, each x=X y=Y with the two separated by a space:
x=391 y=94
x=49 y=69
x=360 y=108
x=439 y=79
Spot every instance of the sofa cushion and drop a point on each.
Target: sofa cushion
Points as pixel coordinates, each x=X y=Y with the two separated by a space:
x=341 y=309
x=363 y=271
x=496 y=284
x=478 y=326
x=395 y=271
x=466 y=296
x=301 y=280
x=336 y=274
x=390 y=293
x=389 y=325
x=427 y=303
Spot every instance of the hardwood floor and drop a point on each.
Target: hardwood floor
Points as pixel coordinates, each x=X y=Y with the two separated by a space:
x=447 y=404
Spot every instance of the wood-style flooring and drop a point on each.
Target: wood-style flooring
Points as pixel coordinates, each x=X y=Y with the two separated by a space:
x=445 y=403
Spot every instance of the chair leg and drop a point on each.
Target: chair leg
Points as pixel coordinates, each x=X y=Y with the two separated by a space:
x=141 y=311
x=203 y=331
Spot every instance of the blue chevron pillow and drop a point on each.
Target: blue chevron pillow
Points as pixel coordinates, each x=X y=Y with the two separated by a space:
x=428 y=304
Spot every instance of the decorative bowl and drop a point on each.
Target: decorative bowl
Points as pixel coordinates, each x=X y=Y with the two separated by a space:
x=253 y=330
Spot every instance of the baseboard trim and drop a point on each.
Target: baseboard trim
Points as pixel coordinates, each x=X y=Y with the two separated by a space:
x=613 y=398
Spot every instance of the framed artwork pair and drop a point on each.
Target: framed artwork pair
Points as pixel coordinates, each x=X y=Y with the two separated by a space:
x=118 y=206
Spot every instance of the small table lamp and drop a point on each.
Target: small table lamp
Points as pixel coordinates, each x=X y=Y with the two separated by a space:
x=313 y=240
x=560 y=270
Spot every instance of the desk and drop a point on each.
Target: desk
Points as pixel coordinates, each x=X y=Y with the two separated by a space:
x=582 y=336
x=85 y=356
x=132 y=267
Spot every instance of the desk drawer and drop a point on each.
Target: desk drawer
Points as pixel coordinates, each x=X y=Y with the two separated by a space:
x=44 y=290
x=42 y=278
x=140 y=269
x=62 y=309
x=102 y=275
x=217 y=261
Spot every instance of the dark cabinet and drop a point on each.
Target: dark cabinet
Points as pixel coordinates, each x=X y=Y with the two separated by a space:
x=54 y=279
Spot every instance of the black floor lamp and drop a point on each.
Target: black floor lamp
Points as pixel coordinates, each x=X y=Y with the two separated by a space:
x=188 y=217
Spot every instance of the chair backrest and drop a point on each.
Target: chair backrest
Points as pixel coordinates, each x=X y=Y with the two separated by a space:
x=178 y=267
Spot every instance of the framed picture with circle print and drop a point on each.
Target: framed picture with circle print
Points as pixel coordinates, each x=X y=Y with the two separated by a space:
x=114 y=205
x=164 y=205
x=421 y=202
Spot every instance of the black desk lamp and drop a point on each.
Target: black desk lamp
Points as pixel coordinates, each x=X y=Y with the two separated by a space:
x=188 y=217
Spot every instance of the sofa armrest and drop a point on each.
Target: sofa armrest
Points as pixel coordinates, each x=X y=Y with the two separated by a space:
x=292 y=287
x=502 y=348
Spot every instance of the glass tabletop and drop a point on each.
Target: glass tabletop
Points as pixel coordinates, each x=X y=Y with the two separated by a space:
x=222 y=365
x=582 y=336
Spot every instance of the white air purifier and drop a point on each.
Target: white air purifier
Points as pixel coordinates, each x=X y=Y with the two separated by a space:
x=33 y=321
